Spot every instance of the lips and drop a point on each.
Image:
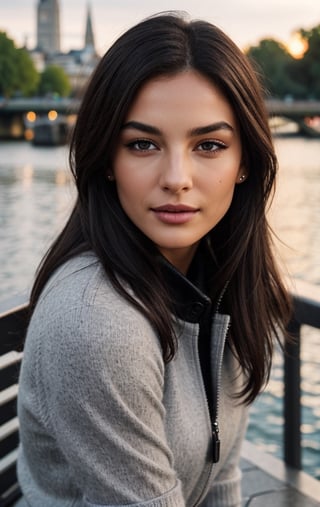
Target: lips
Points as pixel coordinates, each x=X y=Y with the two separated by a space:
x=175 y=208
x=175 y=214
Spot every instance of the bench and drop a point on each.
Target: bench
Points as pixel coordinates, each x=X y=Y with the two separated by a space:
x=12 y=324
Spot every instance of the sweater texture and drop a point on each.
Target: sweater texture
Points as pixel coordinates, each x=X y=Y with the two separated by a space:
x=104 y=421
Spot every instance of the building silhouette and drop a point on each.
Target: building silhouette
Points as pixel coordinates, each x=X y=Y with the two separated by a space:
x=89 y=36
x=48 y=26
x=77 y=63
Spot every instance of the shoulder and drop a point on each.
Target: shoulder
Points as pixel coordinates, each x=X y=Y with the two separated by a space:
x=81 y=284
x=77 y=280
x=80 y=313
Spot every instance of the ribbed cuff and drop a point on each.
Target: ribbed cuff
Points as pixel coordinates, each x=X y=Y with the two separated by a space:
x=172 y=498
x=225 y=494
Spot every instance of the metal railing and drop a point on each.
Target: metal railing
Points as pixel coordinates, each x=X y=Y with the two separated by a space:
x=306 y=312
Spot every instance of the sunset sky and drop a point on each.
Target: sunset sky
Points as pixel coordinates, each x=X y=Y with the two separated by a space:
x=246 y=21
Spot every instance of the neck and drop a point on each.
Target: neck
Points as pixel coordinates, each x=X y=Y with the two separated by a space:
x=180 y=258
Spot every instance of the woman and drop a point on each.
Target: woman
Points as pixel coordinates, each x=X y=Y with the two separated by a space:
x=155 y=311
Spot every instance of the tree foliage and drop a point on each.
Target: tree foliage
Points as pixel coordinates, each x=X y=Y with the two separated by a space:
x=54 y=81
x=284 y=75
x=19 y=75
x=273 y=61
x=28 y=76
x=17 y=70
x=307 y=71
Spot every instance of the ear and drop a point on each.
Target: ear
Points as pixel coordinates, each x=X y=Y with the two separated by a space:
x=242 y=175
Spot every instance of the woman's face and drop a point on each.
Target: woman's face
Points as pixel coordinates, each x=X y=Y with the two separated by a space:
x=177 y=162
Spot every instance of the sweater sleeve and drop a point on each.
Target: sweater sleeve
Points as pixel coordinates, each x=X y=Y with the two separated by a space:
x=101 y=372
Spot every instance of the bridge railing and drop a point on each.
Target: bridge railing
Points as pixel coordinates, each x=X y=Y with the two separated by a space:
x=65 y=105
x=290 y=108
x=306 y=313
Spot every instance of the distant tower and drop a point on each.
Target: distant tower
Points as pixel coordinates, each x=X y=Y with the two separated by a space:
x=89 y=37
x=48 y=26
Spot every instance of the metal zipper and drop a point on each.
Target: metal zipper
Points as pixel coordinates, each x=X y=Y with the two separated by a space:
x=215 y=442
x=215 y=432
x=220 y=298
x=209 y=466
x=216 y=398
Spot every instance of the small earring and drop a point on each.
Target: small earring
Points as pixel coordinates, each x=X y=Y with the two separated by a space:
x=242 y=177
x=110 y=177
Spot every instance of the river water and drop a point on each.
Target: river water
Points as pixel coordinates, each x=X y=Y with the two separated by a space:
x=36 y=195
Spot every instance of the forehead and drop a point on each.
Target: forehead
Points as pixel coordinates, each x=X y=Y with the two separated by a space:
x=185 y=92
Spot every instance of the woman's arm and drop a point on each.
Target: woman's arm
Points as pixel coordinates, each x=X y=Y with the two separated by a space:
x=102 y=375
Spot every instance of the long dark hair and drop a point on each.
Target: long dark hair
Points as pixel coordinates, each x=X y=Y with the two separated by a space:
x=167 y=44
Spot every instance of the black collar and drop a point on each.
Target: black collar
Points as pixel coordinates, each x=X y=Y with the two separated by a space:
x=189 y=301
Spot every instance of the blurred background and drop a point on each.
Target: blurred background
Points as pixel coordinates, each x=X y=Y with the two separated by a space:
x=48 y=50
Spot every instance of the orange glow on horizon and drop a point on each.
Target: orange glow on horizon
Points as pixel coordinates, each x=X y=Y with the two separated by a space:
x=297 y=46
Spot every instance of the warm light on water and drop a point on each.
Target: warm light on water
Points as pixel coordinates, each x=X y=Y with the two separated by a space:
x=36 y=196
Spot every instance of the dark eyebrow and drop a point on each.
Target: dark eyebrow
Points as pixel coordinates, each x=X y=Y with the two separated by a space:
x=141 y=126
x=198 y=131
x=221 y=125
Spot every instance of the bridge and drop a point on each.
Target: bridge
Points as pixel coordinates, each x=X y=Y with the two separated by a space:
x=14 y=113
x=306 y=114
x=40 y=105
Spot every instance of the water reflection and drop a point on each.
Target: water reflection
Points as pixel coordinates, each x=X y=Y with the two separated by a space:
x=36 y=197
x=295 y=213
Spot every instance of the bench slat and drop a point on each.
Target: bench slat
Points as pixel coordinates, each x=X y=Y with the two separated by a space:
x=10 y=358
x=9 y=428
x=8 y=461
x=8 y=394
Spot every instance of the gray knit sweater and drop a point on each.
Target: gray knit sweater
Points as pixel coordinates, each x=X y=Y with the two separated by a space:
x=104 y=421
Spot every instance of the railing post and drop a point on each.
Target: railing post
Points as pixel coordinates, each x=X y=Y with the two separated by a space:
x=292 y=397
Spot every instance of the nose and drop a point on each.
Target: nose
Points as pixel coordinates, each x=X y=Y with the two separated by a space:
x=176 y=173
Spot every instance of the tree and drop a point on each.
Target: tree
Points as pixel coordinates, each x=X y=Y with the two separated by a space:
x=8 y=70
x=273 y=60
x=28 y=76
x=54 y=81
x=307 y=70
x=17 y=70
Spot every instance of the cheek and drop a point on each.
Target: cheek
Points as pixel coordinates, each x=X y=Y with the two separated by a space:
x=131 y=188
x=127 y=171
x=219 y=185
x=124 y=177
x=134 y=180
x=220 y=196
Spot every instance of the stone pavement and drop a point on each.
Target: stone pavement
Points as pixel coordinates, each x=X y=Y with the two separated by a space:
x=268 y=482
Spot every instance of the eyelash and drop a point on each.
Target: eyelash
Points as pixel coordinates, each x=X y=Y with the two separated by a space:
x=218 y=145
x=134 y=146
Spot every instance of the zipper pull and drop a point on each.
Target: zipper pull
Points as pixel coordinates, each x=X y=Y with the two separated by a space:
x=215 y=443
